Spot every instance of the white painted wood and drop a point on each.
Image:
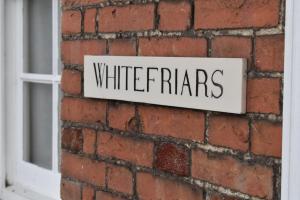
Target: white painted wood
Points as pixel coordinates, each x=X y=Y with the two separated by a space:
x=291 y=108
x=228 y=72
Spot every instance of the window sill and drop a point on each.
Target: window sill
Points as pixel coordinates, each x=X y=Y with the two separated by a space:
x=21 y=193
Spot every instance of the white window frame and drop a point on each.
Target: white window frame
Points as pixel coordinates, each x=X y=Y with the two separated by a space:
x=291 y=108
x=27 y=183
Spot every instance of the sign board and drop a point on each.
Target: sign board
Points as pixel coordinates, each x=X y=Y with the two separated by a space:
x=216 y=84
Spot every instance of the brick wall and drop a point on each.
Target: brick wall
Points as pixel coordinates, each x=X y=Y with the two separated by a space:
x=115 y=150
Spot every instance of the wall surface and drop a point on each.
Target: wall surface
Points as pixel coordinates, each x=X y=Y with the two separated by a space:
x=115 y=150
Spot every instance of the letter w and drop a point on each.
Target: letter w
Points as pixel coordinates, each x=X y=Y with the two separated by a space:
x=99 y=74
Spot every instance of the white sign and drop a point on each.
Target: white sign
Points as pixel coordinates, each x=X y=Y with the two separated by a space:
x=216 y=84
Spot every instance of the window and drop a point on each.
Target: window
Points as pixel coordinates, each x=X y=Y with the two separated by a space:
x=32 y=78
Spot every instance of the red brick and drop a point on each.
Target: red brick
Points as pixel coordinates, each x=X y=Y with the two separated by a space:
x=172 y=158
x=71 y=139
x=232 y=47
x=119 y=179
x=139 y=152
x=88 y=193
x=174 y=122
x=263 y=95
x=266 y=138
x=107 y=196
x=253 y=179
x=174 y=16
x=89 y=141
x=77 y=3
x=128 y=18
x=269 y=53
x=229 y=131
x=71 y=82
x=182 y=46
x=236 y=13
x=122 y=47
x=71 y=22
x=150 y=187
x=83 y=110
x=72 y=52
x=90 y=20
x=122 y=116
x=70 y=190
x=83 y=169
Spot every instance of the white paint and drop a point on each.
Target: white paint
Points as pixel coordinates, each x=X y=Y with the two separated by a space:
x=232 y=78
x=291 y=108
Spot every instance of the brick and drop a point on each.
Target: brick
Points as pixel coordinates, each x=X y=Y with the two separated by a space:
x=77 y=3
x=269 y=53
x=232 y=47
x=122 y=116
x=139 y=152
x=88 y=193
x=83 y=169
x=122 y=47
x=236 y=13
x=266 y=138
x=252 y=179
x=90 y=20
x=183 y=46
x=172 y=158
x=264 y=99
x=119 y=179
x=128 y=18
x=89 y=141
x=71 y=139
x=150 y=187
x=229 y=131
x=72 y=52
x=174 y=16
x=220 y=197
x=179 y=123
x=83 y=110
x=71 y=82
x=71 y=22
x=100 y=195
x=70 y=190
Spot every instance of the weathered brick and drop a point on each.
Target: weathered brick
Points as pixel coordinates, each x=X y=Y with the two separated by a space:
x=71 y=139
x=128 y=18
x=232 y=47
x=89 y=141
x=269 y=53
x=72 y=52
x=71 y=22
x=122 y=116
x=150 y=187
x=236 y=13
x=253 y=179
x=77 y=3
x=88 y=193
x=71 y=81
x=263 y=95
x=174 y=122
x=139 y=152
x=119 y=179
x=183 y=46
x=229 y=131
x=83 y=169
x=100 y=195
x=266 y=138
x=90 y=20
x=174 y=15
x=83 y=110
x=70 y=190
x=122 y=47
x=172 y=158
x=220 y=197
